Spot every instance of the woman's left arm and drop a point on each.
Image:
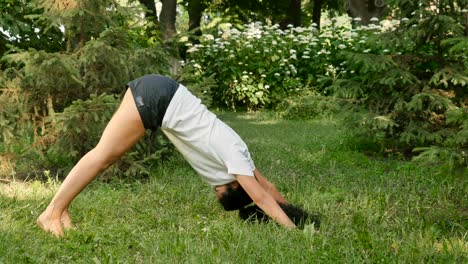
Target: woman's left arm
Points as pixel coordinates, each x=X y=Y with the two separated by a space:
x=263 y=199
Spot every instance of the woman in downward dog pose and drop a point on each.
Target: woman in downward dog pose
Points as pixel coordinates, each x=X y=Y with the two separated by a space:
x=211 y=147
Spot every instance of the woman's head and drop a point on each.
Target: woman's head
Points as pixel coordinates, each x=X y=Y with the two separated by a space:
x=232 y=196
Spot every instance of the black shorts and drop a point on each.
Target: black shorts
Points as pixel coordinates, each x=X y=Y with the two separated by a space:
x=152 y=94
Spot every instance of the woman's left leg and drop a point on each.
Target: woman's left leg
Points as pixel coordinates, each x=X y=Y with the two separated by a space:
x=121 y=133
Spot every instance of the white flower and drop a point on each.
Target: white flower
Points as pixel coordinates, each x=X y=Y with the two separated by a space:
x=292 y=51
x=314 y=24
x=464 y=10
x=374 y=19
x=299 y=30
x=196 y=65
x=245 y=77
x=240 y=63
x=367 y=51
x=357 y=19
x=277 y=74
x=244 y=72
x=192 y=49
x=263 y=76
x=342 y=46
x=307 y=52
x=293 y=57
x=188 y=44
x=385 y=51
x=249 y=46
x=235 y=81
x=208 y=37
x=267 y=86
x=362 y=41
x=305 y=57
x=288 y=72
x=257 y=52
x=404 y=19
x=232 y=56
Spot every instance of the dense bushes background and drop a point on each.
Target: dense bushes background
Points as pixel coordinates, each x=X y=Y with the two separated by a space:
x=56 y=103
x=409 y=75
x=402 y=83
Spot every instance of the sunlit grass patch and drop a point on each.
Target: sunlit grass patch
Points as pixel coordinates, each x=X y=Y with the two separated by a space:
x=374 y=209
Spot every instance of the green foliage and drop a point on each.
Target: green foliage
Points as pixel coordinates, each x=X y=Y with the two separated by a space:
x=452 y=152
x=410 y=79
x=309 y=106
x=254 y=67
x=15 y=121
x=80 y=125
x=106 y=47
x=78 y=129
x=44 y=74
x=21 y=31
x=201 y=86
x=374 y=210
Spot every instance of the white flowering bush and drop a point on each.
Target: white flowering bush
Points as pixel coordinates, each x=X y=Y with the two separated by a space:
x=257 y=66
x=409 y=73
x=413 y=82
x=260 y=65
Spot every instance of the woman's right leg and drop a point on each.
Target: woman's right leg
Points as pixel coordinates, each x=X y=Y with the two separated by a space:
x=121 y=133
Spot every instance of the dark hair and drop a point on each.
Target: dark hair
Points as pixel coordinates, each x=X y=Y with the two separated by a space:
x=297 y=215
x=234 y=198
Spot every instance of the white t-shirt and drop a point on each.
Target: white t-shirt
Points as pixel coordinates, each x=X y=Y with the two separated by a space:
x=211 y=147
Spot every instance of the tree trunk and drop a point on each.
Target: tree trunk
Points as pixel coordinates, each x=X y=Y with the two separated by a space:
x=168 y=18
x=293 y=16
x=317 y=12
x=195 y=10
x=151 y=12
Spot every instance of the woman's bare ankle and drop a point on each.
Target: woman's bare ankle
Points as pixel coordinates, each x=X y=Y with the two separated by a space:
x=50 y=221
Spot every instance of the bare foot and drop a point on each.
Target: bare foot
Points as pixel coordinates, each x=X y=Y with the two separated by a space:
x=50 y=224
x=66 y=220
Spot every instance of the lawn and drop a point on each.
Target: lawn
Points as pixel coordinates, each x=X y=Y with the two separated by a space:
x=374 y=209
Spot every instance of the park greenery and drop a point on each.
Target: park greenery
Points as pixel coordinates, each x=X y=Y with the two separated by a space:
x=372 y=115
x=373 y=209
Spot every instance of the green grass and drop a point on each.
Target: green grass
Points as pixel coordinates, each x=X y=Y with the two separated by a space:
x=374 y=210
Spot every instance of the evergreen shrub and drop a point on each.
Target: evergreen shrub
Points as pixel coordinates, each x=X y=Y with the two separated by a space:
x=311 y=105
x=414 y=83
x=57 y=90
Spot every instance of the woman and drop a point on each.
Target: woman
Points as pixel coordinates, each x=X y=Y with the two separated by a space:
x=211 y=147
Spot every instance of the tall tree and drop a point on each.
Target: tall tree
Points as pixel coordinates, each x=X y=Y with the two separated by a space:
x=195 y=10
x=317 y=12
x=151 y=12
x=293 y=15
x=365 y=9
x=167 y=18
